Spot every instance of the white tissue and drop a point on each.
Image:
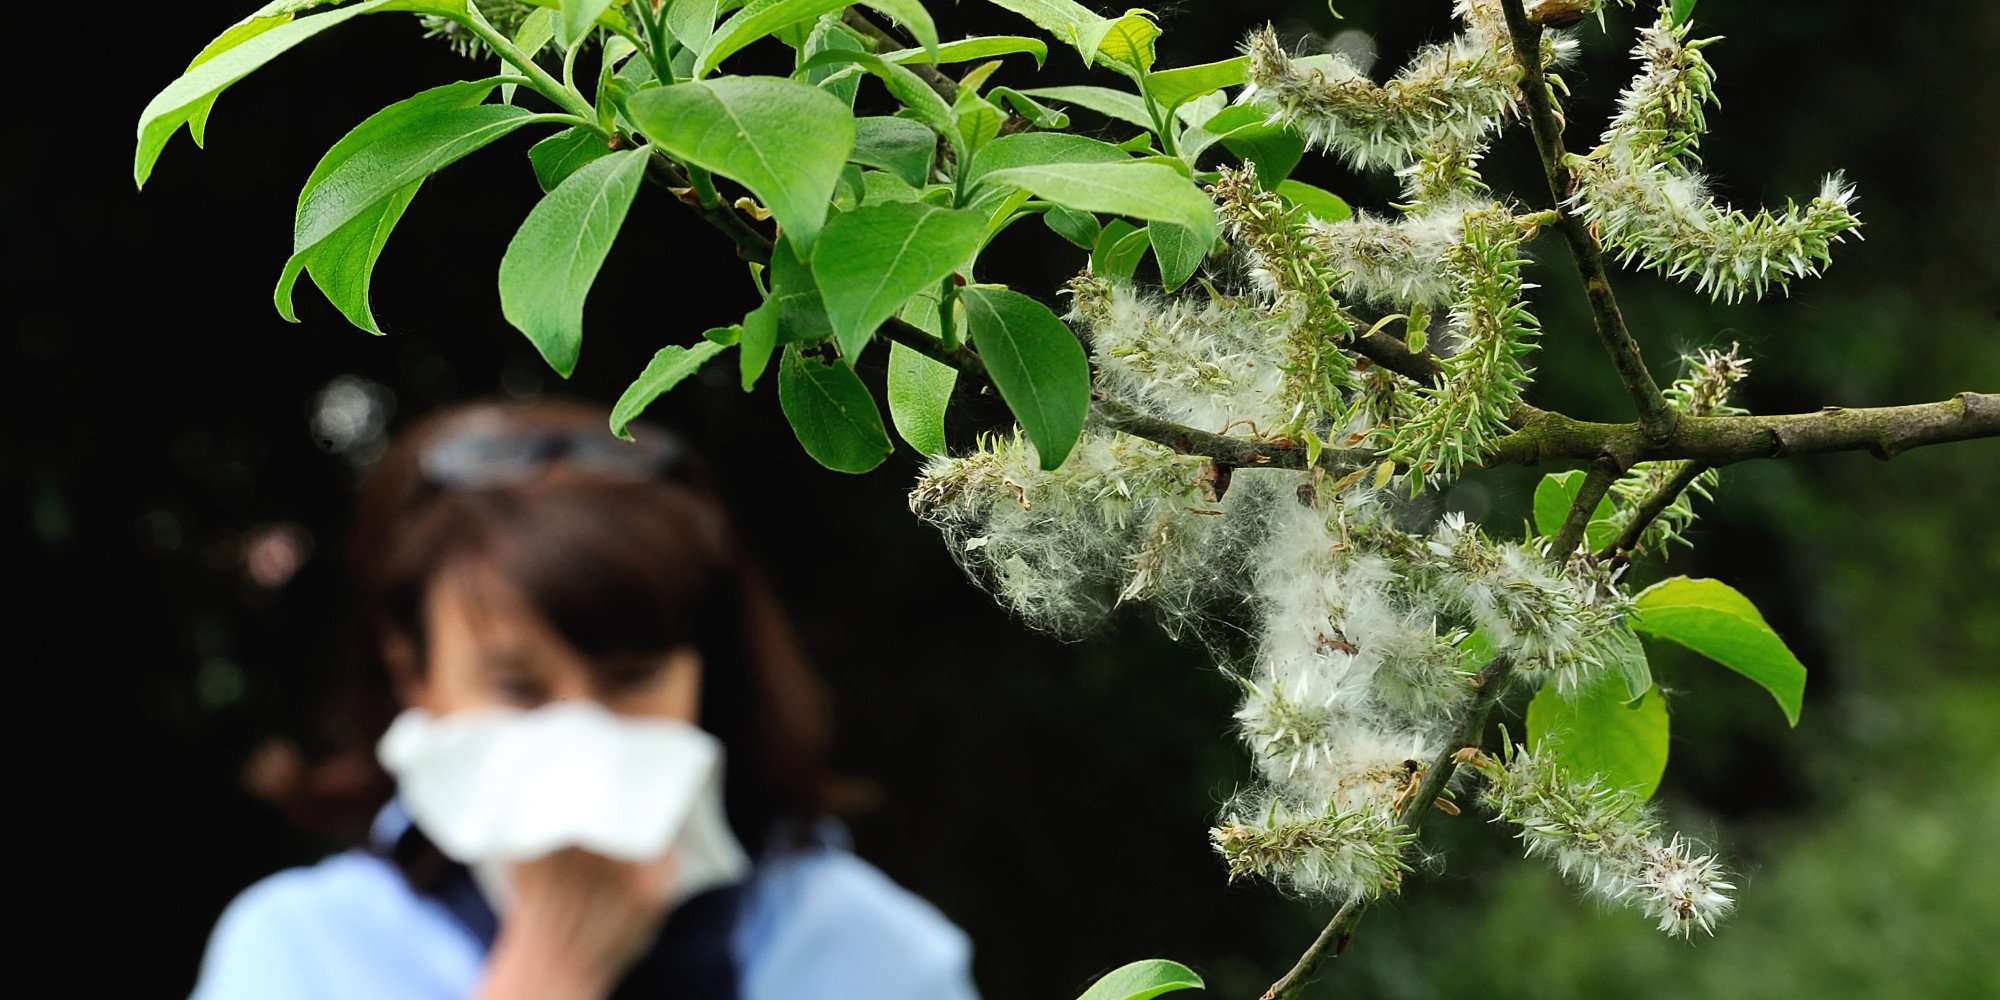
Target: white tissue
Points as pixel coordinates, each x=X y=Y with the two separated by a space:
x=496 y=786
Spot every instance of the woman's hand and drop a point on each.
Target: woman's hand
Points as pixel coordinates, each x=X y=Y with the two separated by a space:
x=578 y=920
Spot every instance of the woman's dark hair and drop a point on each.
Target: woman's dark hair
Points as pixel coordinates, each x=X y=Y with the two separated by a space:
x=626 y=551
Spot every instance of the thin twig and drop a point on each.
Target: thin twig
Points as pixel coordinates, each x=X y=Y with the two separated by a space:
x=1488 y=684
x=945 y=86
x=1655 y=416
x=1650 y=508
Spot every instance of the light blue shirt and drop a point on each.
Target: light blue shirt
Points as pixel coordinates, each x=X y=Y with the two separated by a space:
x=816 y=924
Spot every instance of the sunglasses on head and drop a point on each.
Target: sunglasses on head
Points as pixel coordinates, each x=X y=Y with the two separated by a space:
x=492 y=454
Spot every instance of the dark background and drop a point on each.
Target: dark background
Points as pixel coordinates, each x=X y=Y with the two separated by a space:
x=1051 y=798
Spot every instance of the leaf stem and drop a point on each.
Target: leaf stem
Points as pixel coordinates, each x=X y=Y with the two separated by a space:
x=538 y=78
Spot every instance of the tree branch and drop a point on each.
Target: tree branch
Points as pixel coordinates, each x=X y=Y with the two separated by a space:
x=1604 y=470
x=1655 y=416
x=751 y=245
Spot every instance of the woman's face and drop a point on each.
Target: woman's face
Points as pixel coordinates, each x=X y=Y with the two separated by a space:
x=489 y=647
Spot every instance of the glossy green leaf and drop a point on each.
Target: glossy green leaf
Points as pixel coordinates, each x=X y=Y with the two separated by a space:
x=559 y=155
x=1598 y=730
x=973 y=49
x=342 y=266
x=1323 y=205
x=786 y=141
x=1179 y=252
x=1118 y=104
x=873 y=259
x=1174 y=87
x=1028 y=149
x=1150 y=191
x=1143 y=980
x=758 y=338
x=1080 y=228
x=1120 y=247
x=1554 y=496
x=1713 y=619
x=238 y=33
x=668 y=367
x=421 y=146
x=578 y=18
x=194 y=93
x=1682 y=10
x=1037 y=364
x=342 y=263
x=919 y=393
x=831 y=413
x=554 y=257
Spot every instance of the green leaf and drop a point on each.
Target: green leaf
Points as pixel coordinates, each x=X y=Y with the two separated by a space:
x=343 y=263
x=692 y=23
x=1129 y=40
x=898 y=145
x=832 y=413
x=759 y=337
x=1120 y=247
x=801 y=311
x=420 y=146
x=554 y=257
x=1036 y=363
x=238 y=33
x=342 y=266
x=578 y=17
x=919 y=392
x=1179 y=251
x=1080 y=228
x=874 y=258
x=831 y=35
x=1038 y=114
x=1682 y=10
x=786 y=141
x=1554 y=496
x=1322 y=204
x=1143 y=980
x=1174 y=87
x=1597 y=730
x=1027 y=149
x=559 y=155
x=193 y=95
x=666 y=370
x=763 y=17
x=904 y=86
x=536 y=30
x=755 y=20
x=1068 y=21
x=1274 y=149
x=1627 y=659
x=1713 y=619
x=977 y=119
x=1150 y=191
x=974 y=49
x=1118 y=104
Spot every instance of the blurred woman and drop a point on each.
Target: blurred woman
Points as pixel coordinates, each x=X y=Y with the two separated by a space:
x=517 y=567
